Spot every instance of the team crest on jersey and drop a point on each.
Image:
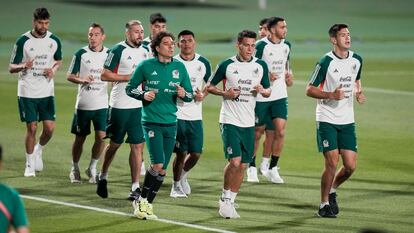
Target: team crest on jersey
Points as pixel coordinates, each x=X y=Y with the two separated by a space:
x=229 y=150
x=325 y=143
x=151 y=134
x=175 y=74
x=354 y=68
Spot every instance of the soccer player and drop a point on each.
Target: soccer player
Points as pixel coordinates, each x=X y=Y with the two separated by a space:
x=263 y=31
x=334 y=83
x=189 y=144
x=12 y=212
x=124 y=112
x=269 y=129
x=91 y=102
x=158 y=23
x=275 y=51
x=36 y=56
x=164 y=80
x=244 y=77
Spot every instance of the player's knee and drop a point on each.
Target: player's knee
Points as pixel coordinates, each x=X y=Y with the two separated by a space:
x=280 y=133
x=349 y=170
x=31 y=129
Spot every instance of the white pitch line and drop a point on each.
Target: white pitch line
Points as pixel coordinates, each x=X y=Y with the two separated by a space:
x=121 y=213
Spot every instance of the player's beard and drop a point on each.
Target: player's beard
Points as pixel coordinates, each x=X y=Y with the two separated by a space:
x=40 y=32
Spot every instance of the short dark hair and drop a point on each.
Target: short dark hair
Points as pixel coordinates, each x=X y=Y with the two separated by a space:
x=157 y=17
x=263 y=21
x=333 y=31
x=97 y=25
x=272 y=21
x=41 y=14
x=185 y=33
x=157 y=41
x=246 y=34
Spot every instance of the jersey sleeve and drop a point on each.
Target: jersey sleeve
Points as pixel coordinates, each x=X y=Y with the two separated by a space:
x=290 y=48
x=186 y=84
x=220 y=73
x=265 y=79
x=319 y=74
x=208 y=68
x=260 y=48
x=136 y=79
x=19 y=217
x=113 y=58
x=58 y=54
x=74 y=67
x=359 y=58
x=17 y=54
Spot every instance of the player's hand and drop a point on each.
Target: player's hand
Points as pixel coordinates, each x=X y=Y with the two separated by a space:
x=360 y=97
x=199 y=96
x=28 y=64
x=180 y=91
x=88 y=79
x=338 y=94
x=149 y=95
x=273 y=76
x=289 y=78
x=232 y=93
x=49 y=72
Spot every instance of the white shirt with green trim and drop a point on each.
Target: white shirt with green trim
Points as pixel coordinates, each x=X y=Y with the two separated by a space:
x=122 y=60
x=85 y=63
x=331 y=72
x=199 y=70
x=44 y=52
x=276 y=56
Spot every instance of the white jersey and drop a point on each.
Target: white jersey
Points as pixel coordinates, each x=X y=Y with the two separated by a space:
x=44 y=52
x=85 y=63
x=276 y=57
x=243 y=76
x=199 y=70
x=123 y=59
x=330 y=73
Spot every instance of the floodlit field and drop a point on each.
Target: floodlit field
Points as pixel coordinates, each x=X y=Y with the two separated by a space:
x=379 y=196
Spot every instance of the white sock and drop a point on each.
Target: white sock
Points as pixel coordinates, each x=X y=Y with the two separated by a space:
x=38 y=144
x=93 y=163
x=232 y=196
x=265 y=160
x=103 y=176
x=225 y=194
x=29 y=157
x=134 y=186
x=333 y=190
x=323 y=204
x=176 y=183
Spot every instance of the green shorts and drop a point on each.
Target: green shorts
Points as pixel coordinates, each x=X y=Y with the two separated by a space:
x=81 y=123
x=331 y=137
x=122 y=122
x=237 y=141
x=189 y=136
x=36 y=109
x=273 y=109
x=160 y=140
